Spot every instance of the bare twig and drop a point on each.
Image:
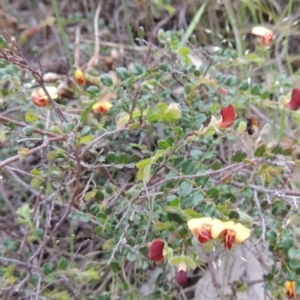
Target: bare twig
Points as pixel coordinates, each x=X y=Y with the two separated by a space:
x=99 y=138
x=23 y=125
x=95 y=58
x=263 y=223
x=21 y=61
x=66 y=213
x=30 y=152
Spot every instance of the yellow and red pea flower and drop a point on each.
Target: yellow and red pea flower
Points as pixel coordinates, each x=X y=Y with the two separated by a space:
x=102 y=107
x=290 y=289
x=205 y=229
x=156 y=251
x=234 y=233
x=294 y=103
x=181 y=276
x=228 y=116
x=79 y=77
x=266 y=35
x=39 y=98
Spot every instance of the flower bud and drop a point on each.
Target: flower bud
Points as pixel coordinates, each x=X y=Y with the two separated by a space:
x=294 y=103
x=173 y=112
x=228 y=116
x=290 y=289
x=161 y=35
x=181 y=276
x=156 y=251
x=102 y=107
x=39 y=98
x=141 y=32
x=79 y=77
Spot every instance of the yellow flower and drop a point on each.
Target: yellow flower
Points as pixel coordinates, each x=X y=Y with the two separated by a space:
x=79 y=77
x=39 y=98
x=206 y=229
x=234 y=232
x=290 y=289
x=102 y=107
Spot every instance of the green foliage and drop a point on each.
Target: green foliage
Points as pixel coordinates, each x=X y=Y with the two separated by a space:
x=159 y=152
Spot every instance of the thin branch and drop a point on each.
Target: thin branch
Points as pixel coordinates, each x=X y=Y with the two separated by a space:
x=279 y=193
x=95 y=58
x=21 y=61
x=198 y=175
x=263 y=223
x=21 y=124
x=67 y=211
x=99 y=138
x=30 y=152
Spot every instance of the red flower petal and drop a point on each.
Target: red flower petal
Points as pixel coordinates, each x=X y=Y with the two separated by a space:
x=181 y=277
x=204 y=234
x=39 y=100
x=156 y=251
x=267 y=39
x=294 y=104
x=228 y=115
x=229 y=238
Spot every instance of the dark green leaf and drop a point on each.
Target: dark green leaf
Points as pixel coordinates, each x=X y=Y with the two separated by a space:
x=28 y=131
x=286 y=243
x=294 y=253
x=63 y=264
x=277 y=149
x=164 y=67
x=94 y=209
x=188 y=166
x=213 y=193
x=244 y=85
x=179 y=131
x=115 y=267
x=34 y=279
x=111 y=157
x=135 y=158
x=260 y=151
x=239 y=156
x=93 y=91
x=137 y=69
x=162 y=144
x=3 y=42
x=255 y=90
x=247 y=193
x=106 y=80
x=234 y=215
x=170 y=140
x=123 y=158
x=216 y=165
x=287 y=152
x=99 y=196
x=294 y=264
x=231 y=80
x=185 y=189
x=47 y=268
x=122 y=73
x=265 y=95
